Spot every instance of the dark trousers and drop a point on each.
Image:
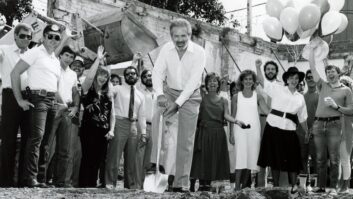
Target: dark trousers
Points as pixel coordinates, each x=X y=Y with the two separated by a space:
x=13 y=118
x=94 y=150
x=60 y=133
x=123 y=142
x=41 y=120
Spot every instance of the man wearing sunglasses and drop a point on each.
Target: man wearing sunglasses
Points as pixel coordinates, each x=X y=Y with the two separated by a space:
x=13 y=116
x=129 y=106
x=44 y=72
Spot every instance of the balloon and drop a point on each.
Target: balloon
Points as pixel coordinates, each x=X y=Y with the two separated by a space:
x=336 y=4
x=320 y=52
x=323 y=5
x=289 y=20
x=273 y=28
x=330 y=22
x=309 y=16
x=292 y=37
x=274 y=8
x=343 y=25
x=305 y=34
x=289 y=3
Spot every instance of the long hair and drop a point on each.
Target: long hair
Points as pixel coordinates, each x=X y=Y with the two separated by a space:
x=242 y=76
x=106 y=86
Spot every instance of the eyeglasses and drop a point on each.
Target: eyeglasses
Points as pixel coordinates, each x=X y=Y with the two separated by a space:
x=23 y=36
x=51 y=36
x=309 y=77
x=145 y=76
x=130 y=73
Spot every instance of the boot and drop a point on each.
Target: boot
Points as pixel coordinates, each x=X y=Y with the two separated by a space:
x=345 y=187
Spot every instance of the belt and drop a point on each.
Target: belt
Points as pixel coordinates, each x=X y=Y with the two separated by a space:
x=43 y=93
x=292 y=117
x=327 y=119
x=149 y=123
x=263 y=115
x=125 y=118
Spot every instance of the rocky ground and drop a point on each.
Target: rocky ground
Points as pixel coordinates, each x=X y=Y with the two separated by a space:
x=77 y=193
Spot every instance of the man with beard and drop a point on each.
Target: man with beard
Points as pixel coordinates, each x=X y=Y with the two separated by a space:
x=270 y=71
x=129 y=106
x=180 y=64
x=143 y=157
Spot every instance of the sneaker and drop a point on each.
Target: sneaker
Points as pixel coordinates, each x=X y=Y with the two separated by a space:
x=294 y=189
x=333 y=192
x=109 y=186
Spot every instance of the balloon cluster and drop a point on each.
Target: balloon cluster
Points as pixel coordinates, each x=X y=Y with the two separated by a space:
x=318 y=16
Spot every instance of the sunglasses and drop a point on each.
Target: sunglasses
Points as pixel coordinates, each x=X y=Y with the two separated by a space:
x=145 y=76
x=131 y=73
x=51 y=36
x=23 y=36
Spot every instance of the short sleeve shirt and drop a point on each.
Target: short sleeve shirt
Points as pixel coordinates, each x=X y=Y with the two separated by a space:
x=285 y=101
x=342 y=95
x=44 y=71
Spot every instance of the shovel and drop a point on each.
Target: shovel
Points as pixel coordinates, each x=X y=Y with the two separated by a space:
x=158 y=182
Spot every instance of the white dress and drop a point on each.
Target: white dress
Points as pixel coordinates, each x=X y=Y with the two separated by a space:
x=247 y=141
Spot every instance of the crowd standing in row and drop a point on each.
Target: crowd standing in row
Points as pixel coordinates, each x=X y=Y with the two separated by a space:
x=75 y=128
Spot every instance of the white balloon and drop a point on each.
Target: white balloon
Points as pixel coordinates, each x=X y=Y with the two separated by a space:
x=305 y=34
x=289 y=20
x=344 y=24
x=336 y=4
x=273 y=28
x=330 y=22
x=274 y=8
x=320 y=52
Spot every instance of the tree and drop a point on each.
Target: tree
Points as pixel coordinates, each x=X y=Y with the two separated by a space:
x=210 y=11
x=14 y=9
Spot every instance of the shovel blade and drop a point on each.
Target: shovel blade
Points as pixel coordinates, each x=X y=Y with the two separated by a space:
x=156 y=183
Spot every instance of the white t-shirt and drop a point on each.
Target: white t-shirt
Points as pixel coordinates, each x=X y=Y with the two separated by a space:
x=44 y=71
x=68 y=80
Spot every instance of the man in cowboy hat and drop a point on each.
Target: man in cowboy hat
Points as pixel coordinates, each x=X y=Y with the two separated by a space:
x=335 y=99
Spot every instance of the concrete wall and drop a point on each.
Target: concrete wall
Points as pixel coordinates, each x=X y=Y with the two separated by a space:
x=243 y=49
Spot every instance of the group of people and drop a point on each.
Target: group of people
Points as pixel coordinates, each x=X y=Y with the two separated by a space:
x=75 y=128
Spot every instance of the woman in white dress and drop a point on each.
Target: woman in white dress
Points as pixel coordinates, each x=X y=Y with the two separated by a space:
x=247 y=141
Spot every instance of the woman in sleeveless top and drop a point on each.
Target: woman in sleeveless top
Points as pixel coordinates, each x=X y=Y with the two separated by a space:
x=210 y=159
x=97 y=123
x=247 y=141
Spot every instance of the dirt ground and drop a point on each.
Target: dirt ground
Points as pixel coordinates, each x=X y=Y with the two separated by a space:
x=78 y=193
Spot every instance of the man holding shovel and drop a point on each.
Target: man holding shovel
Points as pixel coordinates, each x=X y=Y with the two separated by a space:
x=180 y=63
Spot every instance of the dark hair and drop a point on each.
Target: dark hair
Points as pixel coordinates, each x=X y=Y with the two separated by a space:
x=144 y=72
x=22 y=26
x=112 y=76
x=242 y=76
x=105 y=87
x=129 y=68
x=210 y=76
x=231 y=86
x=67 y=49
x=307 y=73
x=271 y=63
x=329 y=67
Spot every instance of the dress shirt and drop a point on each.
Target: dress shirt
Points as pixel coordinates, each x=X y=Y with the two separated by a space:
x=44 y=71
x=9 y=56
x=150 y=101
x=183 y=74
x=285 y=101
x=122 y=101
x=68 y=80
x=267 y=98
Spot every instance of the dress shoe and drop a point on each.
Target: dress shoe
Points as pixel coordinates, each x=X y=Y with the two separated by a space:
x=180 y=190
x=63 y=185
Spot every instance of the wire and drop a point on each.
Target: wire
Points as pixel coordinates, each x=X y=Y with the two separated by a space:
x=240 y=9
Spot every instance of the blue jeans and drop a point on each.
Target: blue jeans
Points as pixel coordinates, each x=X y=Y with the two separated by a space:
x=60 y=132
x=327 y=138
x=41 y=120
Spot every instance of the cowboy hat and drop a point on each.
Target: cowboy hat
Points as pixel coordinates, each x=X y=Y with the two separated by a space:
x=321 y=49
x=291 y=71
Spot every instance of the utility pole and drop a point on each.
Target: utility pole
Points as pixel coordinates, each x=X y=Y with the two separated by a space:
x=249 y=12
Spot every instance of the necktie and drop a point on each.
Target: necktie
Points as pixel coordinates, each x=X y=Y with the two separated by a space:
x=131 y=104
